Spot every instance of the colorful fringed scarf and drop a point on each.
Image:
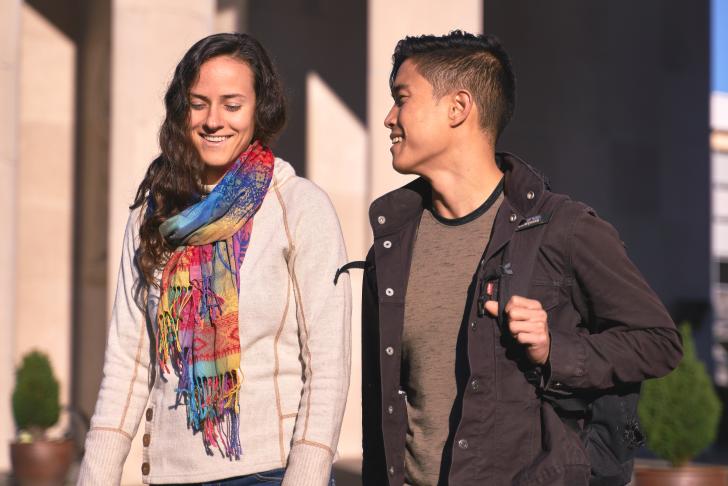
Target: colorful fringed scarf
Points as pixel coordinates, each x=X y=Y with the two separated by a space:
x=198 y=305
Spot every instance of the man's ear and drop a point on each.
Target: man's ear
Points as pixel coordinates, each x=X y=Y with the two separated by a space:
x=461 y=107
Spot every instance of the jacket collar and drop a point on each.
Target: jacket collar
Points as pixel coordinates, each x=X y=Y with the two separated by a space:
x=523 y=189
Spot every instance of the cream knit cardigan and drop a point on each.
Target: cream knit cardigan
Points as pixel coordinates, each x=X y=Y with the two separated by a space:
x=295 y=356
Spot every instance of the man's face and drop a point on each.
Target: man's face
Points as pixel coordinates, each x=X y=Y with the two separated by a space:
x=418 y=122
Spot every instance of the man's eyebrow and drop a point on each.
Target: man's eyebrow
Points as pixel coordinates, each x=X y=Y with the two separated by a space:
x=397 y=88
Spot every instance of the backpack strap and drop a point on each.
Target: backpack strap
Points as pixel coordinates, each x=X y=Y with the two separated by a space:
x=522 y=252
x=360 y=264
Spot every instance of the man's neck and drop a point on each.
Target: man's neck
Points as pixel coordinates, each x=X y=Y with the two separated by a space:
x=464 y=184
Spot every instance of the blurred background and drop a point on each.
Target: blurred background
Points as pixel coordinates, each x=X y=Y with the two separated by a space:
x=623 y=104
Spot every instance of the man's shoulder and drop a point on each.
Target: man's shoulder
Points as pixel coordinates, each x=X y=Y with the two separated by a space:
x=399 y=206
x=568 y=209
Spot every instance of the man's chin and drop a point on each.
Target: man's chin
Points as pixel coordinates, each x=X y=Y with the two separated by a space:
x=402 y=168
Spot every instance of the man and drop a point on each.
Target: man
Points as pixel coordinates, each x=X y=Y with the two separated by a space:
x=458 y=383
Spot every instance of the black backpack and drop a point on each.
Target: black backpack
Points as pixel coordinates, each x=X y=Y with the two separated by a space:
x=611 y=434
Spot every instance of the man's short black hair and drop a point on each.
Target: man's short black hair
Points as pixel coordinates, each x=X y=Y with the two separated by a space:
x=459 y=60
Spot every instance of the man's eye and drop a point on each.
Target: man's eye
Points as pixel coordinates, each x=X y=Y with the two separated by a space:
x=399 y=101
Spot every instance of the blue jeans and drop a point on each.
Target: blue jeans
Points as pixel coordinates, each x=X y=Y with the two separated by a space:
x=267 y=478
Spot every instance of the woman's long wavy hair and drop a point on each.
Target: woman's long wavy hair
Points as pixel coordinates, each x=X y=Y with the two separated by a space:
x=174 y=179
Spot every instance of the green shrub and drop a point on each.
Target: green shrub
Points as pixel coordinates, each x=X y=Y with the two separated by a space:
x=680 y=412
x=35 y=399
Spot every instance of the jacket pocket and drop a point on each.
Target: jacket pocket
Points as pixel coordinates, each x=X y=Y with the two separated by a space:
x=517 y=428
x=562 y=459
x=548 y=294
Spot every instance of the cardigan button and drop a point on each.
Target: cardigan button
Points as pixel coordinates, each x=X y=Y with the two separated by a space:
x=390 y=410
x=473 y=325
x=463 y=444
x=146 y=439
x=475 y=384
x=530 y=195
x=389 y=292
x=145 y=468
x=387 y=244
x=389 y=350
x=391 y=470
x=149 y=414
x=513 y=218
x=381 y=220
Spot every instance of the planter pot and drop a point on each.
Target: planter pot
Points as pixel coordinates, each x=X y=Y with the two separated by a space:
x=41 y=463
x=681 y=476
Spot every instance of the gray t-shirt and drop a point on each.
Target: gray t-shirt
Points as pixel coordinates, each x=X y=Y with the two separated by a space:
x=446 y=254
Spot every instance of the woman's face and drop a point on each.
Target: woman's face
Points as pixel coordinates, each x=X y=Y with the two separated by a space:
x=222 y=114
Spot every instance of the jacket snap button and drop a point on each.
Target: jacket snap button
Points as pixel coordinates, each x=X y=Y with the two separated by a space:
x=390 y=410
x=389 y=292
x=381 y=219
x=513 y=217
x=145 y=468
x=463 y=444
x=391 y=470
x=146 y=439
x=530 y=195
x=149 y=414
x=389 y=350
x=387 y=244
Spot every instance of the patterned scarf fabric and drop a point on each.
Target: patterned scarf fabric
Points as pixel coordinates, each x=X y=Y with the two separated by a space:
x=198 y=305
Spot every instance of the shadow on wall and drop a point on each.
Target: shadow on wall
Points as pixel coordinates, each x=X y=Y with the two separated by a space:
x=326 y=36
x=347 y=473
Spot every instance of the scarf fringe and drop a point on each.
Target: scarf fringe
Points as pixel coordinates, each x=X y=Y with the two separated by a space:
x=212 y=402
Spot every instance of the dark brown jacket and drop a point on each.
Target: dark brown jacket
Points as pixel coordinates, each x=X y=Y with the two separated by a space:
x=607 y=328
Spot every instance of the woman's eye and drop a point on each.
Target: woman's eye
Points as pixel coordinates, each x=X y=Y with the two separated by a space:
x=232 y=107
x=197 y=106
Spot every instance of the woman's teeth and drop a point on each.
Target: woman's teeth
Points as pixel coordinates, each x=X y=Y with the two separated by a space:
x=215 y=138
x=396 y=140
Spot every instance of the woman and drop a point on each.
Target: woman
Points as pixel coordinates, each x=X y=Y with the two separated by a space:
x=229 y=341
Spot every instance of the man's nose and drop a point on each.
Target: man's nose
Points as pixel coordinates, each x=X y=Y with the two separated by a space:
x=389 y=120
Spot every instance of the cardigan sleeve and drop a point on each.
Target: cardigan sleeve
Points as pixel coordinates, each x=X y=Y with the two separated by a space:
x=124 y=387
x=323 y=312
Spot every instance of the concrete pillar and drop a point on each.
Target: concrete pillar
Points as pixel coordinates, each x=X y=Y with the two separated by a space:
x=45 y=195
x=386 y=27
x=148 y=40
x=232 y=16
x=9 y=55
x=91 y=202
x=336 y=153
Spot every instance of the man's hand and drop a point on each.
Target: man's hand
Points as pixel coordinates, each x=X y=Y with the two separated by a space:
x=528 y=324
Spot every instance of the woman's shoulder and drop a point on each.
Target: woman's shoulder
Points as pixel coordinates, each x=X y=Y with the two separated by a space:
x=298 y=191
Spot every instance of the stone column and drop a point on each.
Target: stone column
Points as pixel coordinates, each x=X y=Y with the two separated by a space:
x=389 y=21
x=91 y=202
x=148 y=39
x=44 y=182
x=9 y=56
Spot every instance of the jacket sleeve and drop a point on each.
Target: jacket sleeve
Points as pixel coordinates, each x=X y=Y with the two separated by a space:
x=630 y=335
x=374 y=463
x=323 y=312
x=124 y=387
